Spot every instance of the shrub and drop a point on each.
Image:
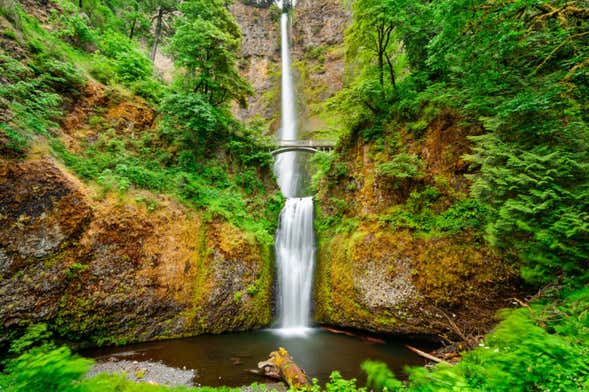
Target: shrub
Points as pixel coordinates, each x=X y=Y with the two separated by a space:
x=130 y=65
x=75 y=30
x=402 y=167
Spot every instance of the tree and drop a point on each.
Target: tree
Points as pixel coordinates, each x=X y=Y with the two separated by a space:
x=162 y=10
x=134 y=15
x=205 y=44
x=372 y=34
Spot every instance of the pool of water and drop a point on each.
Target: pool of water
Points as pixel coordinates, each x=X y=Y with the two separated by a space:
x=225 y=359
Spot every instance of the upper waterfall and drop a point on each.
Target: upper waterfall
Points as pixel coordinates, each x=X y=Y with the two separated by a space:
x=289 y=118
x=289 y=177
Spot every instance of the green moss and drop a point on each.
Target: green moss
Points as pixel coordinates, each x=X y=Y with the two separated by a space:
x=237 y=297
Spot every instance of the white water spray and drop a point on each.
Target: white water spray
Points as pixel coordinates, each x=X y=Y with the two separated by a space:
x=295 y=240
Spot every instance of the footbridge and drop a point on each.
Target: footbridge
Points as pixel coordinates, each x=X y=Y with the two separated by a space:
x=302 y=145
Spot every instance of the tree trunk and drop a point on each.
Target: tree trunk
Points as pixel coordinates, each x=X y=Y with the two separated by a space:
x=80 y=4
x=132 y=32
x=158 y=32
x=391 y=71
x=280 y=365
x=381 y=70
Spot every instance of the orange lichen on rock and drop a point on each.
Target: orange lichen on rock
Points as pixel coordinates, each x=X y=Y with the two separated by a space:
x=379 y=266
x=110 y=270
x=93 y=95
x=130 y=115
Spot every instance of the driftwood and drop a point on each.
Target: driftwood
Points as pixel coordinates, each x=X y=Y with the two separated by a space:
x=426 y=355
x=281 y=366
x=348 y=333
x=337 y=331
x=521 y=303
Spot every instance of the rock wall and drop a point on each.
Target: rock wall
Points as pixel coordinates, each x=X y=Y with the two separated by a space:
x=110 y=269
x=379 y=271
x=317 y=56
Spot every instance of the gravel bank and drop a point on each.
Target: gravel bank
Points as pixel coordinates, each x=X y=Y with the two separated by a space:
x=146 y=371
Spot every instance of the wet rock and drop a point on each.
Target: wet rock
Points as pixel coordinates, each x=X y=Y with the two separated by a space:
x=108 y=270
x=39 y=209
x=42 y=214
x=317 y=34
x=391 y=277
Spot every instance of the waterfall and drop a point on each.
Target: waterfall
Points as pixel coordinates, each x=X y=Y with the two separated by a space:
x=289 y=177
x=295 y=253
x=295 y=240
x=289 y=117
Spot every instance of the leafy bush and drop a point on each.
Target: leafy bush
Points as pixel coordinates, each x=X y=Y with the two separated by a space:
x=55 y=370
x=401 y=167
x=543 y=348
x=75 y=30
x=150 y=89
x=102 y=70
x=129 y=63
x=28 y=103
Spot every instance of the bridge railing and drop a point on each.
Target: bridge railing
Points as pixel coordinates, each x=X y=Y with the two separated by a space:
x=302 y=145
x=306 y=143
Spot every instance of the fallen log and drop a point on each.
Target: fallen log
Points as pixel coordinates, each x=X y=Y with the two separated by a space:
x=426 y=355
x=337 y=331
x=262 y=374
x=355 y=335
x=281 y=366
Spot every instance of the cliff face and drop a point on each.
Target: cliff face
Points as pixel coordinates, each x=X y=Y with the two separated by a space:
x=112 y=269
x=316 y=38
x=392 y=257
x=378 y=268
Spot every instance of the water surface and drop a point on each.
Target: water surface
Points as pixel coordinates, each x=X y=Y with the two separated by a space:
x=224 y=359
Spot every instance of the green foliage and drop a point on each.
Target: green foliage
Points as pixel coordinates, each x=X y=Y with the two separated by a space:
x=193 y=123
x=321 y=163
x=36 y=336
x=74 y=29
x=127 y=61
x=205 y=44
x=543 y=348
x=518 y=69
x=400 y=167
x=539 y=349
x=380 y=377
x=417 y=214
x=29 y=101
x=534 y=160
x=55 y=370
x=336 y=384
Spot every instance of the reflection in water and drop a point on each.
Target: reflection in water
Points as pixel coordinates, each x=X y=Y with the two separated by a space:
x=224 y=359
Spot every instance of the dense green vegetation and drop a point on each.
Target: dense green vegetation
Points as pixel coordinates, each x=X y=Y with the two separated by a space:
x=195 y=150
x=517 y=73
x=518 y=70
